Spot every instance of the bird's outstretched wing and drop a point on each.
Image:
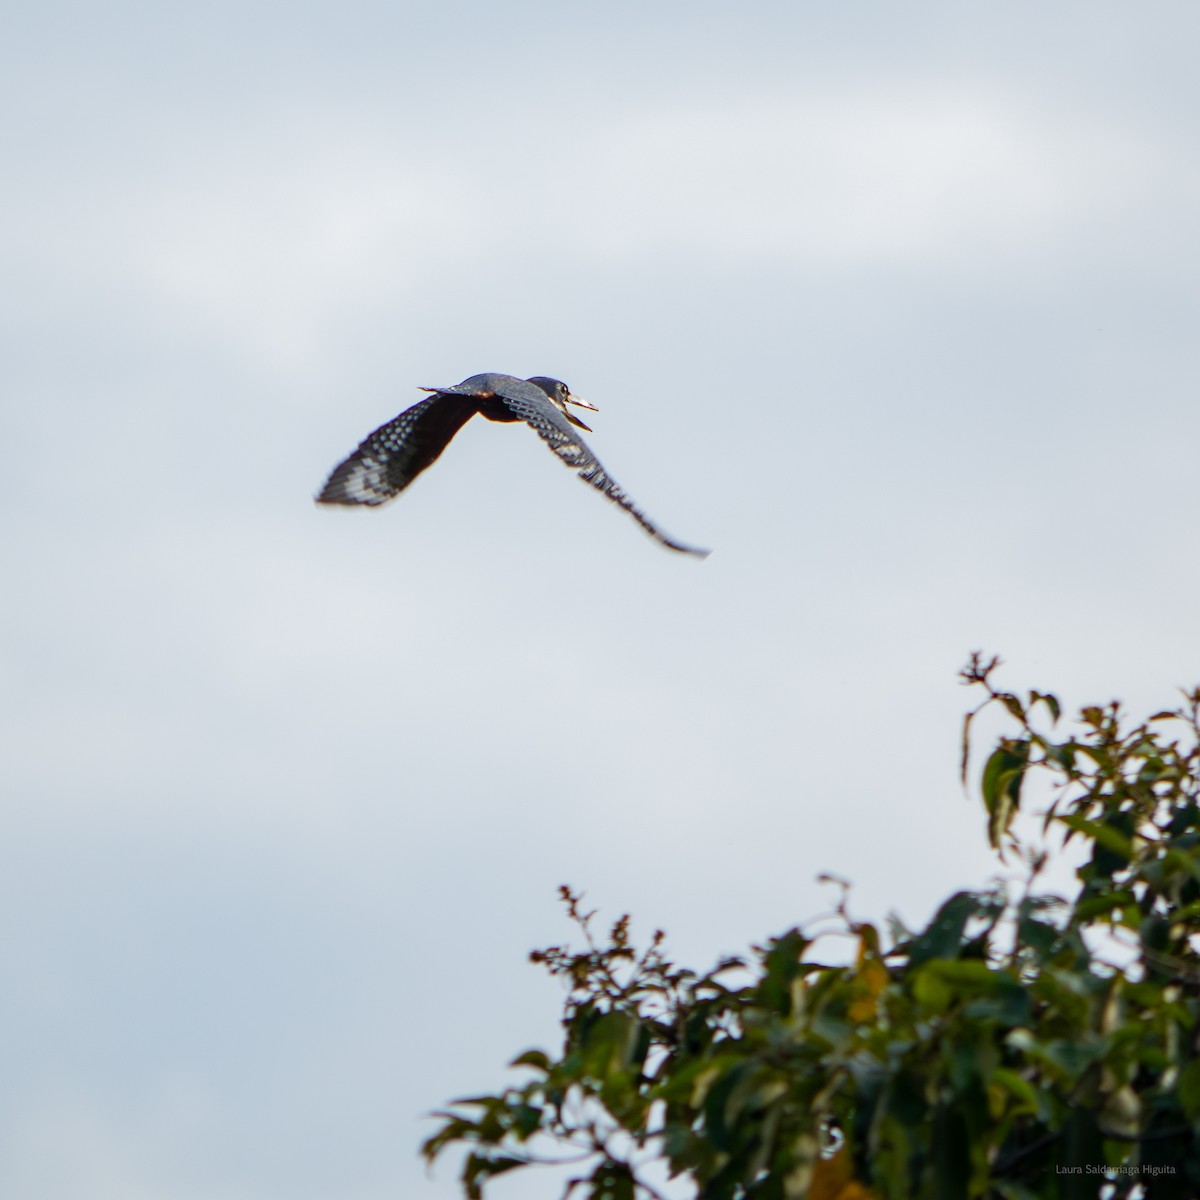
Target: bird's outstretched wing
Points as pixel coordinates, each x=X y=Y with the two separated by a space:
x=531 y=404
x=387 y=461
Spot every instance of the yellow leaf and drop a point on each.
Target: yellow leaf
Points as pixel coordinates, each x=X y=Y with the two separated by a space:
x=871 y=979
x=833 y=1180
x=874 y=974
x=862 y=1009
x=831 y=1176
x=855 y=1191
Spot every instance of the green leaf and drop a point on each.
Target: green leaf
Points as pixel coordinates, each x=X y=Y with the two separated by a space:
x=943 y=936
x=1068 y=1057
x=1039 y=936
x=1007 y=1005
x=526 y=1119
x=1082 y=1147
x=611 y=1044
x=1189 y=1090
x=988 y=994
x=532 y=1058
x=782 y=963
x=1103 y=834
x=611 y=1181
x=932 y=992
x=1017 y=1086
x=1007 y=1190
x=966 y=746
x=971 y=974
x=1122 y=1113
x=1061 y=754
x=719 y=1115
x=951 y=1154
x=1003 y=775
x=1109 y=904
x=478 y=1169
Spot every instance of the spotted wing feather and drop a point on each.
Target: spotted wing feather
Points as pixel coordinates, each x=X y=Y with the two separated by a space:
x=387 y=461
x=532 y=405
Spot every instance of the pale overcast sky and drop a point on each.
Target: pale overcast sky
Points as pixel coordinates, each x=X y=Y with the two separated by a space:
x=892 y=305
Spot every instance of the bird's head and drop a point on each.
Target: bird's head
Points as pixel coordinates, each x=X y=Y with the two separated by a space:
x=561 y=395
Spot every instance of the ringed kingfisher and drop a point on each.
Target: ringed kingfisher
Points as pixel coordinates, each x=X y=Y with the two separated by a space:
x=389 y=459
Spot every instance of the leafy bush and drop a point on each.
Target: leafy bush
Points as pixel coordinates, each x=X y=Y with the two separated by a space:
x=1021 y=1045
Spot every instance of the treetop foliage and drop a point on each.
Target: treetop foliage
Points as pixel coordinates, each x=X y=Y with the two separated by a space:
x=1022 y=1046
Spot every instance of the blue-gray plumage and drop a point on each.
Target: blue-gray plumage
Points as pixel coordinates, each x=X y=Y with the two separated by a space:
x=396 y=453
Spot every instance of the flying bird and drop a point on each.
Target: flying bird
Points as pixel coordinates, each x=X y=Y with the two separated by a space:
x=387 y=461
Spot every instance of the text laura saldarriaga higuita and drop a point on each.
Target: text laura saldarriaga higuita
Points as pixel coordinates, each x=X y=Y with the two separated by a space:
x=1099 y=1169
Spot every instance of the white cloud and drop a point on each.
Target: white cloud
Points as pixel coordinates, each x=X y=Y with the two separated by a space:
x=847 y=180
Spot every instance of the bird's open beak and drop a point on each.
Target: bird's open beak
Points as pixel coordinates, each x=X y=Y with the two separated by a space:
x=579 y=402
